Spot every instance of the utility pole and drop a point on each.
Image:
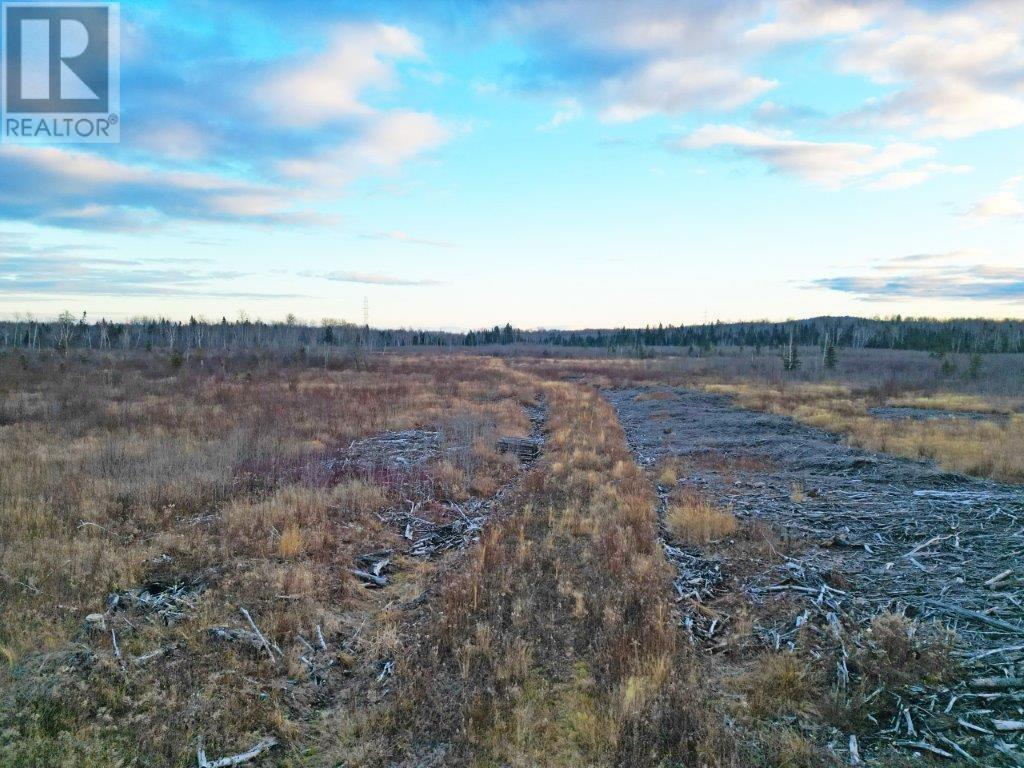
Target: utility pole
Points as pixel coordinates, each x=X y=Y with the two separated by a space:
x=366 y=322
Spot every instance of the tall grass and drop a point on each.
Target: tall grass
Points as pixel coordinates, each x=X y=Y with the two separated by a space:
x=693 y=518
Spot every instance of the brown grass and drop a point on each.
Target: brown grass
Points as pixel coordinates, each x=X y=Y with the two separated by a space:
x=555 y=643
x=693 y=518
x=901 y=652
x=119 y=472
x=552 y=641
x=779 y=684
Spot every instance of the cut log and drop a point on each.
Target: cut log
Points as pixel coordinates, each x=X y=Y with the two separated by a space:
x=997 y=580
x=523 y=448
x=998 y=683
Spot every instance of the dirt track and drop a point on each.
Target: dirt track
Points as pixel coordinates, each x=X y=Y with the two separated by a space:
x=904 y=534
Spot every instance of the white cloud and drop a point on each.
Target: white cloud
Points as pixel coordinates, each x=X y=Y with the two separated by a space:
x=389 y=140
x=800 y=20
x=830 y=164
x=955 y=67
x=367 y=278
x=672 y=86
x=569 y=110
x=1001 y=204
x=950 y=69
x=173 y=139
x=913 y=176
x=965 y=274
x=291 y=135
x=49 y=185
x=330 y=86
x=956 y=70
x=649 y=57
x=407 y=239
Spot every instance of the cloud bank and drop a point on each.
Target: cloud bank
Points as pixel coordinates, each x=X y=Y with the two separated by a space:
x=932 y=276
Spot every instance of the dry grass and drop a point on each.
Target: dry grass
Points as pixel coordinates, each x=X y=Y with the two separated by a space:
x=982 y=448
x=555 y=643
x=797 y=494
x=119 y=472
x=787 y=748
x=986 y=448
x=693 y=518
x=900 y=652
x=954 y=401
x=779 y=684
x=668 y=476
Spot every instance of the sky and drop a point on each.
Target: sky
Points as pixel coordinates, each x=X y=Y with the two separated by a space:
x=548 y=163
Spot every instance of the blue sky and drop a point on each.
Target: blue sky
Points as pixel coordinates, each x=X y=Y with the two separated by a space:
x=569 y=163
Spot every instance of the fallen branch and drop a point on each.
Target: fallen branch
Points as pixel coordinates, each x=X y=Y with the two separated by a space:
x=146 y=657
x=924 y=746
x=242 y=757
x=996 y=580
x=117 y=648
x=228 y=634
x=369 y=578
x=998 y=683
x=1008 y=726
x=263 y=641
x=956 y=610
x=992 y=651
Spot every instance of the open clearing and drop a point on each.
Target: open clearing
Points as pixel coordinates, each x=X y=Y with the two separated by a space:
x=877 y=533
x=443 y=560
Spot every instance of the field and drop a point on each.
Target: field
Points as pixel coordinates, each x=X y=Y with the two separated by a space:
x=510 y=559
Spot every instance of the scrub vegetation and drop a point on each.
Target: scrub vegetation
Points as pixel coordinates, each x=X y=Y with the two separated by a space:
x=337 y=560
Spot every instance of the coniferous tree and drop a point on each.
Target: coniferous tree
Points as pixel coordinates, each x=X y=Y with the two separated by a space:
x=974 y=367
x=830 y=355
x=791 y=356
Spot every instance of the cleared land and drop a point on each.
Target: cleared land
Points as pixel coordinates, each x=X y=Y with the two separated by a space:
x=430 y=559
x=870 y=535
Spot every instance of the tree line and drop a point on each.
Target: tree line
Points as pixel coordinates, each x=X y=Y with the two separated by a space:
x=975 y=336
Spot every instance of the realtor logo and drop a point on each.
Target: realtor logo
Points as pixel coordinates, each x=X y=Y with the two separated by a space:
x=61 y=69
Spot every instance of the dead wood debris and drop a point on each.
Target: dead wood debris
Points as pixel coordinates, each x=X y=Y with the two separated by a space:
x=243 y=757
x=375 y=564
x=526 y=449
x=697 y=580
x=393 y=455
x=940 y=549
x=171 y=602
x=430 y=538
